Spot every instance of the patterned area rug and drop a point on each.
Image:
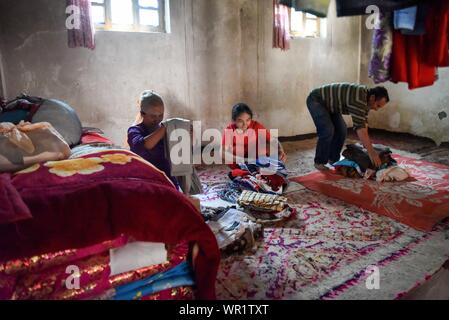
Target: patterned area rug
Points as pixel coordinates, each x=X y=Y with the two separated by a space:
x=331 y=250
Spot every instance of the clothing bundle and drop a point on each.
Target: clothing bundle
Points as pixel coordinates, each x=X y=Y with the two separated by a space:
x=265 y=175
x=266 y=209
x=23 y=108
x=234 y=230
x=410 y=42
x=59 y=114
x=357 y=164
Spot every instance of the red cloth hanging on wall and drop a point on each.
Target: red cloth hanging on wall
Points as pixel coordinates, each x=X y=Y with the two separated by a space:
x=408 y=65
x=415 y=58
x=437 y=39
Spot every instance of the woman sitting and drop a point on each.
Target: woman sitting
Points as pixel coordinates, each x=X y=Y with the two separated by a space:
x=146 y=138
x=241 y=139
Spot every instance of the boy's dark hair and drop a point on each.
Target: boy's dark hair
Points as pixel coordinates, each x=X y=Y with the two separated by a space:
x=150 y=99
x=379 y=93
x=239 y=109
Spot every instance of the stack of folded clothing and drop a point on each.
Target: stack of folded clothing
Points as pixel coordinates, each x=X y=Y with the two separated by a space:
x=265 y=175
x=265 y=208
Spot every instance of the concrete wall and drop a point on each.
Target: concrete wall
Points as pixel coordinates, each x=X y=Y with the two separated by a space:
x=419 y=112
x=278 y=82
x=3 y=91
x=218 y=53
x=195 y=70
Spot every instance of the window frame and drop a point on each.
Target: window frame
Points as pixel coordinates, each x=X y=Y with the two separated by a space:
x=304 y=18
x=136 y=26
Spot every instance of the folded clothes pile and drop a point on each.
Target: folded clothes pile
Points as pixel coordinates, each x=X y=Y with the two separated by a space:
x=265 y=175
x=357 y=164
x=265 y=209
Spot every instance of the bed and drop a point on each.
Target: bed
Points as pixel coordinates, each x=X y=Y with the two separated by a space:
x=82 y=209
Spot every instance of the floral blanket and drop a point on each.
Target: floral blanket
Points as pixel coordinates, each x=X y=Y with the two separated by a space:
x=99 y=197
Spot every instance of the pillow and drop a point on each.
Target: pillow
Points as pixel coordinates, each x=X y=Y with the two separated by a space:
x=63 y=118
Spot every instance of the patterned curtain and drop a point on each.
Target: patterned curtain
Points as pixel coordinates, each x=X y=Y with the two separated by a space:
x=281 y=26
x=84 y=36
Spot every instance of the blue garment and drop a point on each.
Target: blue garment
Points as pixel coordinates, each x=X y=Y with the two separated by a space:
x=349 y=163
x=156 y=156
x=405 y=18
x=331 y=130
x=14 y=116
x=420 y=23
x=179 y=276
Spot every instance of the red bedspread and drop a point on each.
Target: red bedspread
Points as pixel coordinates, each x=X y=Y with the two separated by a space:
x=82 y=202
x=420 y=204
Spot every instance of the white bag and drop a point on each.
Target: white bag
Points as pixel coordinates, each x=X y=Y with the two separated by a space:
x=26 y=144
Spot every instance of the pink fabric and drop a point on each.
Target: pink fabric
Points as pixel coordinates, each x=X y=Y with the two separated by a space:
x=85 y=35
x=281 y=26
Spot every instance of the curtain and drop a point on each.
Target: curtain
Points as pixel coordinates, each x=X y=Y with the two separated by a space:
x=84 y=36
x=281 y=26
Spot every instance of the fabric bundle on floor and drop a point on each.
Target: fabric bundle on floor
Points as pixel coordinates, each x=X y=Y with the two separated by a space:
x=235 y=231
x=357 y=163
x=264 y=175
x=265 y=209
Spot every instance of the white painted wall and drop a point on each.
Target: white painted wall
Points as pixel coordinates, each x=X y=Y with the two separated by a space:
x=195 y=68
x=218 y=53
x=279 y=82
x=3 y=90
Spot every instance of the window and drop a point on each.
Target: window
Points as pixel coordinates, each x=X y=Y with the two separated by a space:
x=306 y=25
x=130 y=15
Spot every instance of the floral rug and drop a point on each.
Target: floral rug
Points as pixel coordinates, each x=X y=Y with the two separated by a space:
x=420 y=202
x=331 y=250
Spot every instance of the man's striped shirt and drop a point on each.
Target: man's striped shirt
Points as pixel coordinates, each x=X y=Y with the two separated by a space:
x=348 y=99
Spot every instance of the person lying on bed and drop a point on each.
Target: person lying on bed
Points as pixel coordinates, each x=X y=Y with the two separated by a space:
x=244 y=133
x=146 y=138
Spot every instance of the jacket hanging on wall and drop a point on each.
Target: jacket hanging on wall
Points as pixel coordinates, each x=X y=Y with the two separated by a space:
x=318 y=8
x=358 y=7
x=415 y=58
